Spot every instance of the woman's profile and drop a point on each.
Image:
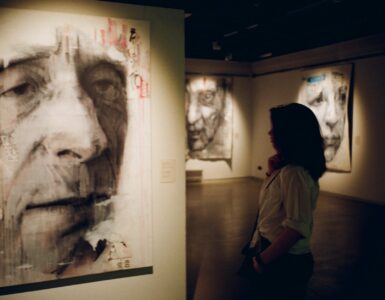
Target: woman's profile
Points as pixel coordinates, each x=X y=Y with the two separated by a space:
x=279 y=250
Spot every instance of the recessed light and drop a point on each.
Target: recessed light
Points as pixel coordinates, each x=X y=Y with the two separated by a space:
x=230 y=33
x=252 y=26
x=265 y=55
x=216 y=46
x=229 y=57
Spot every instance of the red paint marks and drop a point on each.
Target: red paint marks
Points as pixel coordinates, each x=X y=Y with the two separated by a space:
x=123 y=37
x=112 y=32
x=103 y=36
x=144 y=90
x=142 y=86
x=127 y=40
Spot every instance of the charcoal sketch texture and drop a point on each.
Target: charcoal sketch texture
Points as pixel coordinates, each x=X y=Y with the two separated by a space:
x=209 y=117
x=326 y=92
x=74 y=127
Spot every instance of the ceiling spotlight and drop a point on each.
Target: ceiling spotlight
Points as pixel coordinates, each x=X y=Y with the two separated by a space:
x=252 y=26
x=265 y=55
x=229 y=57
x=216 y=46
x=230 y=33
x=187 y=15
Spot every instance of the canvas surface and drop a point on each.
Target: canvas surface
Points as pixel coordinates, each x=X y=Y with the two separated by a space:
x=75 y=156
x=326 y=91
x=209 y=116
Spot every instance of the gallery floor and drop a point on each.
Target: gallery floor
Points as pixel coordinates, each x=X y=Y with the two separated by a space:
x=348 y=243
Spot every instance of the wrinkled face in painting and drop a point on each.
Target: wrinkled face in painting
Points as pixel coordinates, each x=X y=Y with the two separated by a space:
x=327 y=96
x=204 y=110
x=63 y=122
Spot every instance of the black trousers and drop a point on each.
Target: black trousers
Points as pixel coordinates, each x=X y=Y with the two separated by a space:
x=285 y=278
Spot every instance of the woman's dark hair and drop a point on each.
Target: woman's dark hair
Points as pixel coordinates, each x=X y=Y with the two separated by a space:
x=297 y=137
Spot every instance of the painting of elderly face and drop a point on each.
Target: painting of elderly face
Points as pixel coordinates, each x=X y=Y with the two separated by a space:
x=326 y=93
x=64 y=127
x=208 y=117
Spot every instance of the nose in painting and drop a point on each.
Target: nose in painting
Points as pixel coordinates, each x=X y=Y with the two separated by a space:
x=331 y=116
x=194 y=113
x=75 y=134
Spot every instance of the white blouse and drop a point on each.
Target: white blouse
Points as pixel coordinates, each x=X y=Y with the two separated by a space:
x=287 y=199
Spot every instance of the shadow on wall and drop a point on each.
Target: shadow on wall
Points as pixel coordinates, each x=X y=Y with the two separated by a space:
x=349 y=250
x=348 y=243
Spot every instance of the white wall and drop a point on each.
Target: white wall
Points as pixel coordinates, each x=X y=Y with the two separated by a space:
x=242 y=102
x=277 y=83
x=167 y=77
x=366 y=180
x=268 y=91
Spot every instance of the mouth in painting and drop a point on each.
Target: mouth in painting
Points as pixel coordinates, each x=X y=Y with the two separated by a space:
x=194 y=134
x=91 y=199
x=68 y=215
x=50 y=231
x=332 y=141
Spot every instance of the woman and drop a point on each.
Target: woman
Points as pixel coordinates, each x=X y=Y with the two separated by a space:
x=282 y=257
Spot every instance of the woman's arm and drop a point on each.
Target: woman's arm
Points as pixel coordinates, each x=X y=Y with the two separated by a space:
x=280 y=246
x=297 y=205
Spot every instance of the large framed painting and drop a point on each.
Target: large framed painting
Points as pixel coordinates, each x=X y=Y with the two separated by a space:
x=209 y=116
x=326 y=91
x=75 y=199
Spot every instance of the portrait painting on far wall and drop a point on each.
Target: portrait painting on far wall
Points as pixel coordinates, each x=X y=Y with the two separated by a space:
x=75 y=157
x=326 y=92
x=209 y=115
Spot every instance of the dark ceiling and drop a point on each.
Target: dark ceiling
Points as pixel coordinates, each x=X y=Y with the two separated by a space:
x=252 y=30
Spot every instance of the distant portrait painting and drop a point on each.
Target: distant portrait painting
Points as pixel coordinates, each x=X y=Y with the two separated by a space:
x=209 y=115
x=75 y=159
x=326 y=92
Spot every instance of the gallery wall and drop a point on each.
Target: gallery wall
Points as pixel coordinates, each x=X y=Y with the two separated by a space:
x=167 y=155
x=273 y=87
x=275 y=82
x=239 y=165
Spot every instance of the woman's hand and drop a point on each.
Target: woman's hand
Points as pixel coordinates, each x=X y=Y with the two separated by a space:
x=256 y=266
x=274 y=163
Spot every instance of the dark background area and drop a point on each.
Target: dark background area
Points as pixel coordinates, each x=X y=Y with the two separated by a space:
x=348 y=243
x=252 y=30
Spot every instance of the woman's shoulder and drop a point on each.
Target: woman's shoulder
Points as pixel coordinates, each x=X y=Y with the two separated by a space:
x=292 y=170
x=295 y=175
